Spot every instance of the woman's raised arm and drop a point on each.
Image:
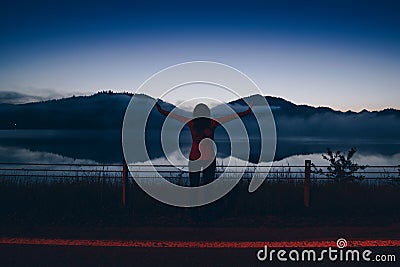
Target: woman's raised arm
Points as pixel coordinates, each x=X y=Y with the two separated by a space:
x=235 y=116
x=177 y=117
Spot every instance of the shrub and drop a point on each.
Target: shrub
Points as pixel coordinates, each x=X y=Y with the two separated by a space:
x=341 y=167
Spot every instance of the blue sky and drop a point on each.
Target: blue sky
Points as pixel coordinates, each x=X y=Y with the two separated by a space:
x=342 y=54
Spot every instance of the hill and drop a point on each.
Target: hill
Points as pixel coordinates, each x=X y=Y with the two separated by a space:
x=106 y=110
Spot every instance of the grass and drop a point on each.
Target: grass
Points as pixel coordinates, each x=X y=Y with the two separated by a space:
x=87 y=201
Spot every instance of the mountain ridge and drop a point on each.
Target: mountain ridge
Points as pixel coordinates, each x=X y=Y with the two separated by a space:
x=105 y=110
x=272 y=101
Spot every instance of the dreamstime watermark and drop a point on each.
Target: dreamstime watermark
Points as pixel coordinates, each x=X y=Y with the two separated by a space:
x=176 y=77
x=340 y=253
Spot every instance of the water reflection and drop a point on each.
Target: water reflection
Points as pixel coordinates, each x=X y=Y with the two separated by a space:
x=23 y=155
x=79 y=147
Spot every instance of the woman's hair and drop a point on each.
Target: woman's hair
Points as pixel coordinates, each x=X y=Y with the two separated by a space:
x=201 y=115
x=201 y=110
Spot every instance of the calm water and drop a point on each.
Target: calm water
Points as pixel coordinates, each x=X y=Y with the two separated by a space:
x=47 y=146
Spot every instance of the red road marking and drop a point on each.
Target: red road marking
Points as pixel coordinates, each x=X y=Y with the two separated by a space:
x=194 y=244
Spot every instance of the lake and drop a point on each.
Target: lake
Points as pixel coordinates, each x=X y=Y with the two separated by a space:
x=91 y=147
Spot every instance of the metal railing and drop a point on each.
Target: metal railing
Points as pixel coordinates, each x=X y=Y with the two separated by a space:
x=115 y=171
x=120 y=173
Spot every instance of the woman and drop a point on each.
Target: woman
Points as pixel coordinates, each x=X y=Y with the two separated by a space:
x=202 y=128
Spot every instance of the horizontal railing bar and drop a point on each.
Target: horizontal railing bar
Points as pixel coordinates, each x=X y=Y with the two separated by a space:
x=59 y=164
x=59 y=176
x=58 y=170
x=174 y=177
x=176 y=171
x=176 y=174
x=184 y=171
x=262 y=166
x=251 y=165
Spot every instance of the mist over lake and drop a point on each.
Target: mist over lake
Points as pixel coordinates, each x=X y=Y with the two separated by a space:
x=91 y=146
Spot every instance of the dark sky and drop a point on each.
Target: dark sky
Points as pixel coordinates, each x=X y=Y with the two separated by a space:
x=343 y=54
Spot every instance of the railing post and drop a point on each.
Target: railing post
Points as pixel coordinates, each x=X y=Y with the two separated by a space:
x=307 y=176
x=124 y=181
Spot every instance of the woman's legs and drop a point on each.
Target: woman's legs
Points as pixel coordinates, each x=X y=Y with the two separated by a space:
x=194 y=176
x=209 y=173
x=194 y=179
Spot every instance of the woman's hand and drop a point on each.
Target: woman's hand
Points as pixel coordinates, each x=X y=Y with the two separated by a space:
x=172 y=114
x=158 y=106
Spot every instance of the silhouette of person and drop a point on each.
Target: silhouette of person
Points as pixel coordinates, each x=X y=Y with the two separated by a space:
x=202 y=127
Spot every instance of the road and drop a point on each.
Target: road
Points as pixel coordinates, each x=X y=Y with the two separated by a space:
x=185 y=246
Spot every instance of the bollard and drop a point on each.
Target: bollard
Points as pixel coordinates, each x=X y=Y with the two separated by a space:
x=124 y=181
x=307 y=175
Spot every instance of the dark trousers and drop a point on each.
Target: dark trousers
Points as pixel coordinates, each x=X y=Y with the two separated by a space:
x=208 y=175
